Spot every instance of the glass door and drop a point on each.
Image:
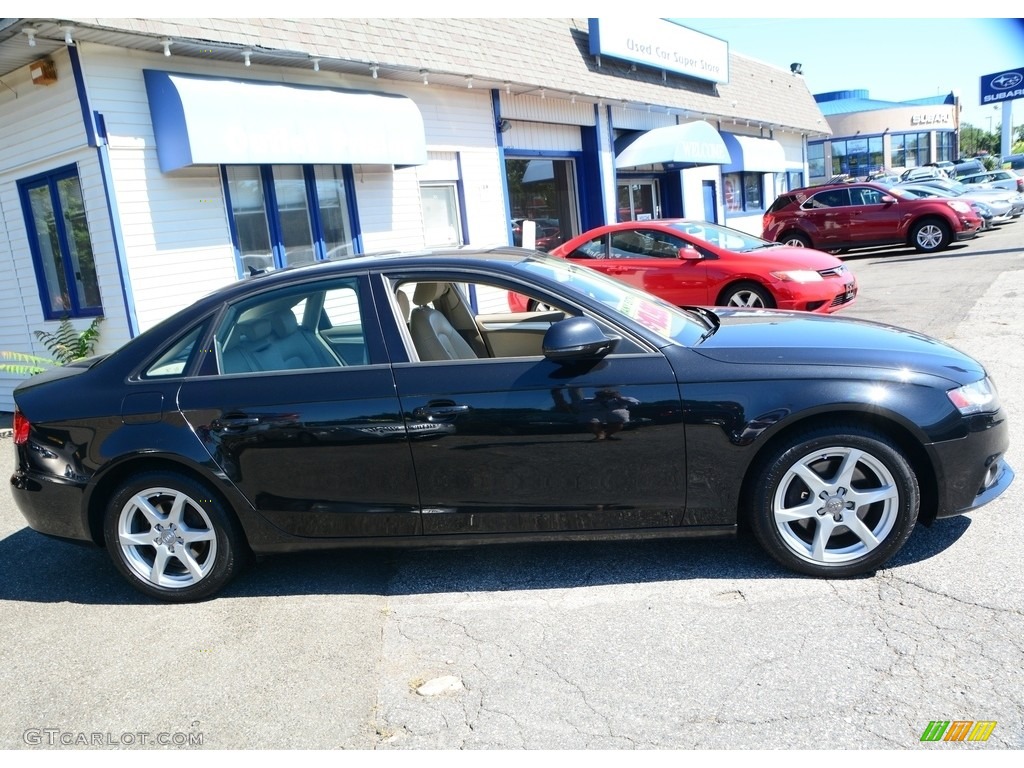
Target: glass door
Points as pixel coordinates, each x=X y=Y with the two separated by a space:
x=638 y=200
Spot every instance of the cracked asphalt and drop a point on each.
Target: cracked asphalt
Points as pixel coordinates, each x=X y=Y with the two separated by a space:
x=626 y=645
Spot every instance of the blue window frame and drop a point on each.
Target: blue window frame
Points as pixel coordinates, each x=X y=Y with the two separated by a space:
x=58 y=236
x=283 y=215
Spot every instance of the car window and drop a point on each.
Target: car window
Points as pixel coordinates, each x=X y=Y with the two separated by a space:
x=592 y=249
x=298 y=328
x=450 y=320
x=831 y=198
x=174 y=361
x=866 y=196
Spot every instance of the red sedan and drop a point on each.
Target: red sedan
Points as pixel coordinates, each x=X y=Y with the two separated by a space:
x=693 y=263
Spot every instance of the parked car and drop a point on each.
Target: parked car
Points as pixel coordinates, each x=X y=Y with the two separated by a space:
x=923 y=172
x=979 y=192
x=298 y=410
x=1003 y=179
x=948 y=167
x=864 y=215
x=1015 y=162
x=692 y=262
x=968 y=167
x=992 y=211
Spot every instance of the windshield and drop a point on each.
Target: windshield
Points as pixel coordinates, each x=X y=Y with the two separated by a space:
x=721 y=237
x=648 y=311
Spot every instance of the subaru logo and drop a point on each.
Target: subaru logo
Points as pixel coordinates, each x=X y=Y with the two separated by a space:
x=1006 y=81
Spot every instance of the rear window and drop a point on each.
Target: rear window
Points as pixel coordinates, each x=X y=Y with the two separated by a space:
x=782 y=201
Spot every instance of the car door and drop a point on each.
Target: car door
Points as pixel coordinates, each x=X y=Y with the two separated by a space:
x=825 y=216
x=523 y=444
x=301 y=413
x=871 y=219
x=649 y=259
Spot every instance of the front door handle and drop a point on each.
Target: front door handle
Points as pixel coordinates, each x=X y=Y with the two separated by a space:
x=441 y=410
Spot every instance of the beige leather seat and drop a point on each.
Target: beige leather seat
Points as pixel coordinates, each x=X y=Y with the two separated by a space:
x=433 y=335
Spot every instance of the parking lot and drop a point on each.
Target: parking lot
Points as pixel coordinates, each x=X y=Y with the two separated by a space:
x=658 y=644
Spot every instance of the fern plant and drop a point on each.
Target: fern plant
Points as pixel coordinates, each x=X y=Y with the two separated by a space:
x=65 y=345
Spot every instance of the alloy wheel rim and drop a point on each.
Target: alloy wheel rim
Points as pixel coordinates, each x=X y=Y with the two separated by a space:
x=929 y=236
x=835 y=505
x=166 y=538
x=747 y=299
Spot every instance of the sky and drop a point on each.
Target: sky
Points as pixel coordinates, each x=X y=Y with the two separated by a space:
x=893 y=59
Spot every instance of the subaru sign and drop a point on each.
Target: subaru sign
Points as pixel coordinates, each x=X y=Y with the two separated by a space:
x=1002 y=86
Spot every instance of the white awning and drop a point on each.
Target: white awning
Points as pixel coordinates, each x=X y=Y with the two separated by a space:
x=219 y=121
x=684 y=145
x=750 y=153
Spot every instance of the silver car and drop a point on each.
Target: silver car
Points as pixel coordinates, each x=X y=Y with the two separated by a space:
x=992 y=210
x=1002 y=179
x=982 y=193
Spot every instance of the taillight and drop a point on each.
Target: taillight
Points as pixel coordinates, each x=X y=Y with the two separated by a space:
x=21 y=428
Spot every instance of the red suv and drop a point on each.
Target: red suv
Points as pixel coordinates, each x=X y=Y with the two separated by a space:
x=840 y=216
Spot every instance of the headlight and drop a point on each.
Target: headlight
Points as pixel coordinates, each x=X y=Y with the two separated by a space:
x=959 y=207
x=978 y=397
x=798 y=276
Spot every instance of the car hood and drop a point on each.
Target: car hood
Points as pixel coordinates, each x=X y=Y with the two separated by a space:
x=786 y=256
x=774 y=337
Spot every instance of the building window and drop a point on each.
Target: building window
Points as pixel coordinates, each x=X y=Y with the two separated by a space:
x=857 y=157
x=441 y=222
x=945 y=146
x=743 y=192
x=543 y=190
x=58 y=235
x=283 y=215
x=816 y=160
x=910 y=150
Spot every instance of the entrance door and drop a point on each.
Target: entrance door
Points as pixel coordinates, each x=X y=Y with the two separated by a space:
x=710 y=202
x=638 y=200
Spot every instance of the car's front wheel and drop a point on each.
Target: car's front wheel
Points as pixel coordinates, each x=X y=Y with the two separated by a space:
x=171 y=538
x=834 y=502
x=930 y=235
x=795 y=240
x=748 y=295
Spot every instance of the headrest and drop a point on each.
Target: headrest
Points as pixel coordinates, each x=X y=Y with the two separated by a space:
x=285 y=324
x=254 y=330
x=403 y=305
x=428 y=292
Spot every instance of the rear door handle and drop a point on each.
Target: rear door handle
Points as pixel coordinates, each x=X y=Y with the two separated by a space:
x=235 y=422
x=439 y=410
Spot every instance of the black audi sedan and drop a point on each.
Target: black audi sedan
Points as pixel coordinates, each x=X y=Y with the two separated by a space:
x=394 y=399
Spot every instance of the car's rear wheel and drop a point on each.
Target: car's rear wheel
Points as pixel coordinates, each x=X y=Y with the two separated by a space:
x=746 y=295
x=930 y=235
x=795 y=240
x=171 y=537
x=835 y=502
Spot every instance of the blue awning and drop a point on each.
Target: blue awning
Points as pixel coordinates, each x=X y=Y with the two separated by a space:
x=750 y=153
x=687 y=144
x=219 y=121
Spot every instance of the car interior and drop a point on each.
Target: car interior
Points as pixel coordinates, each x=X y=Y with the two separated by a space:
x=443 y=325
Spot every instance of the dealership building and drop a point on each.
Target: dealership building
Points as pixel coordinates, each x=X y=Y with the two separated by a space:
x=146 y=162
x=869 y=135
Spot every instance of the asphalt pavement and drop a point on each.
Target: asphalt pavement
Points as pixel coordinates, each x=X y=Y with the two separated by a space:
x=627 y=645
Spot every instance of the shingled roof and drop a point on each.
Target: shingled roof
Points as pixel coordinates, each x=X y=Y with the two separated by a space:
x=527 y=53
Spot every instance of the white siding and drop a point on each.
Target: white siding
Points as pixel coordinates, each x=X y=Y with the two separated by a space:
x=177 y=243
x=542 y=136
x=538 y=110
x=42 y=129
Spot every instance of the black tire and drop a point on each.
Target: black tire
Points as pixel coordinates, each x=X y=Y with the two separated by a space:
x=795 y=240
x=930 y=235
x=184 y=546
x=746 y=295
x=807 y=484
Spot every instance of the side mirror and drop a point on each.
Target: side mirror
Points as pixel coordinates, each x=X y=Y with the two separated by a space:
x=577 y=338
x=689 y=252
x=888 y=199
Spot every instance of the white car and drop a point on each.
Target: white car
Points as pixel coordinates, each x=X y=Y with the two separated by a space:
x=1001 y=179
